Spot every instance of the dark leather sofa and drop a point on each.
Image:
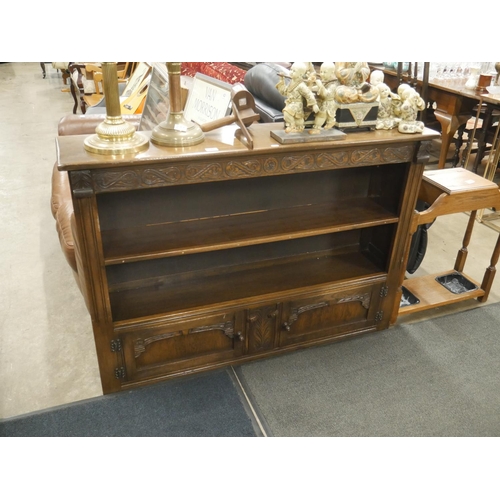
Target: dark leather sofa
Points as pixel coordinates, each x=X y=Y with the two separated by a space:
x=260 y=81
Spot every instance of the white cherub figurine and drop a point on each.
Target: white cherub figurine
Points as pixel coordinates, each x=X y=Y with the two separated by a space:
x=385 y=117
x=376 y=77
x=325 y=88
x=411 y=104
x=295 y=92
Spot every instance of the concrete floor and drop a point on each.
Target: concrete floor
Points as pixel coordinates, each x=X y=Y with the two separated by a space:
x=47 y=352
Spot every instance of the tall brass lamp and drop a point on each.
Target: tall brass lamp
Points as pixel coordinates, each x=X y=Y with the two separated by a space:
x=114 y=136
x=176 y=130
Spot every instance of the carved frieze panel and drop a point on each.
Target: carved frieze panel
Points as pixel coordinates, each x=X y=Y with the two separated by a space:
x=243 y=167
x=246 y=168
x=199 y=172
x=364 y=157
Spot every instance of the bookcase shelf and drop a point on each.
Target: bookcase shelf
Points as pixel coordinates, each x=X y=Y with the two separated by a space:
x=240 y=229
x=221 y=285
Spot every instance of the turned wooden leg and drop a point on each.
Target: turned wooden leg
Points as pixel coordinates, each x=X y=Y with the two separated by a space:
x=481 y=139
x=489 y=275
x=463 y=252
x=42 y=65
x=458 y=145
x=449 y=126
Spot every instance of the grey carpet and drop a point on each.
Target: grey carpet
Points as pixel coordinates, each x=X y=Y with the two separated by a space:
x=206 y=405
x=439 y=377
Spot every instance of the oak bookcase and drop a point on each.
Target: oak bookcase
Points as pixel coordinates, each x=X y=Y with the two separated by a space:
x=201 y=257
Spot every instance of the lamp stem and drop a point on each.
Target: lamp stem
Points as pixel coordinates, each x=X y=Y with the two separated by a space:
x=110 y=79
x=174 y=82
x=175 y=130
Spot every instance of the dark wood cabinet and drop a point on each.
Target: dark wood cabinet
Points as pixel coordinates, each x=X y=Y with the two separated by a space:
x=195 y=258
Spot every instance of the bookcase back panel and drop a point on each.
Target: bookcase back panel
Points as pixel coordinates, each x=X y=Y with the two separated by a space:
x=202 y=201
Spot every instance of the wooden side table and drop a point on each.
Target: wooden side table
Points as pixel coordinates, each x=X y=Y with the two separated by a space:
x=449 y=191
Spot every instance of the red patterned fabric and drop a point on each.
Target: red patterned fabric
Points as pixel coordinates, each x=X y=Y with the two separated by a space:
x=219 y=70
x=191 y=68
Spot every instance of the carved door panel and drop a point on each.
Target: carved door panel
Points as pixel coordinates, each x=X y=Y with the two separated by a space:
x=331 y=314
x=262 y=325
x=180 y=346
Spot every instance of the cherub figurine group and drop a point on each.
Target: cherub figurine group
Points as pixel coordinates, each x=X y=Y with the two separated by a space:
x=398 y=110
x=345 y=83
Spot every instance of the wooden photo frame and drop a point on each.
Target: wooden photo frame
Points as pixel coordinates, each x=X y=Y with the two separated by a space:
x=209 y=99
x=140 y=73
x=157 y=101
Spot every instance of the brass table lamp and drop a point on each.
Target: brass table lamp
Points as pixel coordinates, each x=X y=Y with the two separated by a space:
x=176 y=130
x=114 y=136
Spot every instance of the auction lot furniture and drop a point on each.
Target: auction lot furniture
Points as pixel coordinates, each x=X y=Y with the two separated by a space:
x=449 y=191
x=454 y=106
x=196 y=258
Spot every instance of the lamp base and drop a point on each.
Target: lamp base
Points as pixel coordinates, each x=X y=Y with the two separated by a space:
x=114 y=136
x=177 y=131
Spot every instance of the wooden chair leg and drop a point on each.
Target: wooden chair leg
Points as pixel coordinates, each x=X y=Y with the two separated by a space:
x=75 y=99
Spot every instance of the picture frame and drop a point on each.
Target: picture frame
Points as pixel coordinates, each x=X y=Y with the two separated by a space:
x=209 y=99
x=140 y=73
x=157 y=101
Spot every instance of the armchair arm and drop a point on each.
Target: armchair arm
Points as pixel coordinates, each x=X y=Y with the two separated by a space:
x=76 y=71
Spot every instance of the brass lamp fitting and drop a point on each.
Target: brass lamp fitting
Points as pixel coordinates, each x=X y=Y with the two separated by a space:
x=176 y=130
x=114 y=136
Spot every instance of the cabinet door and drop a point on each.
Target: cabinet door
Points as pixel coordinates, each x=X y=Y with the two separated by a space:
x=181 y=346
x=331 y=314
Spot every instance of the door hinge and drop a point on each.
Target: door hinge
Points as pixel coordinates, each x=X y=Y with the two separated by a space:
x=384 y=291
x=379 y=316
x=120 y=372
x=116 y=345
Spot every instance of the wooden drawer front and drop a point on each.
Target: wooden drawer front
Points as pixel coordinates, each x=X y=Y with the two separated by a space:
x=180 y=346
x=329 y=315
x=262 y=325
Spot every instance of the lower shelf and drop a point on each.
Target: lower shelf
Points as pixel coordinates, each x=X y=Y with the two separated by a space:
x=431 y=293
x=187 y=291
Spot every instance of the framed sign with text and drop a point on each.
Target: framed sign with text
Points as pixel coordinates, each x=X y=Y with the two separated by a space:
x=209 y=99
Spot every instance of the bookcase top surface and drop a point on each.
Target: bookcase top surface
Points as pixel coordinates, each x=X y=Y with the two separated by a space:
x=222 y=142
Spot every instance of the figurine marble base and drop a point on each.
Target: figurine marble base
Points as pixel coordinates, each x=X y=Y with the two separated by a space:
x=359 y=114
x=302 y=137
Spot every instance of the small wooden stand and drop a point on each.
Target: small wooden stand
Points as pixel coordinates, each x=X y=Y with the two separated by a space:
x=451 y=191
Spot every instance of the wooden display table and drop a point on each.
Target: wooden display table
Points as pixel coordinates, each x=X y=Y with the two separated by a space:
x=202 y=257
x=452 y=191
x=454 y=105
